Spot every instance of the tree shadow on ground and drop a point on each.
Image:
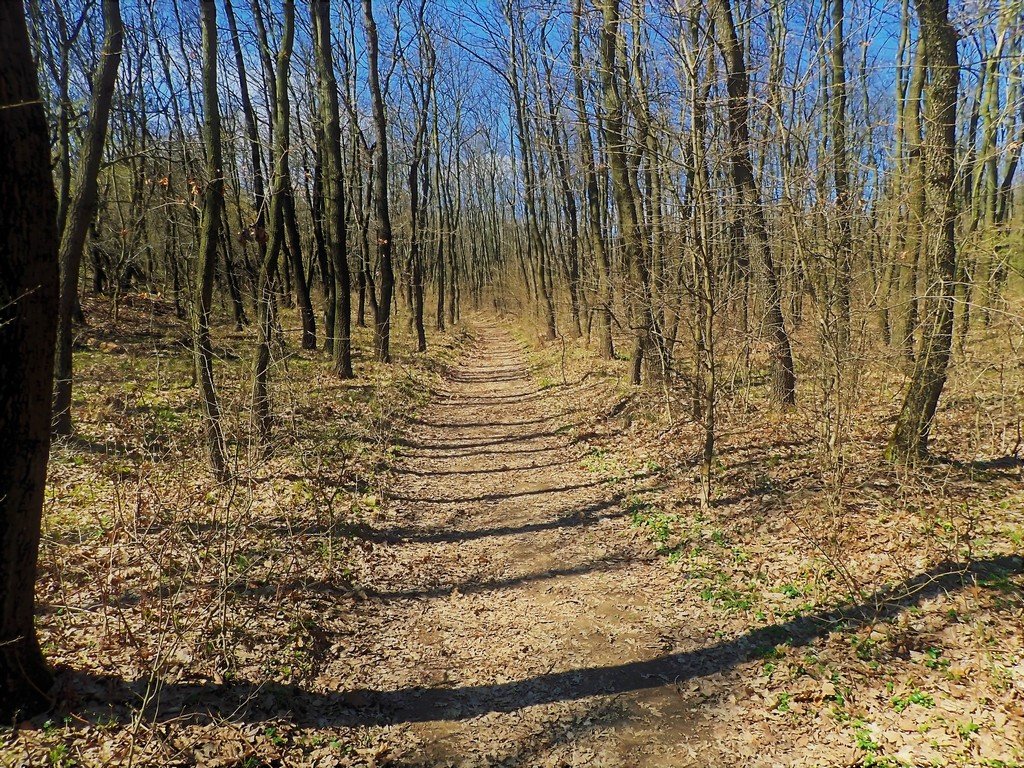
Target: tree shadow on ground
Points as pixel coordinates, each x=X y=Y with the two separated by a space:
x=404 y=470
x=88 y=696
x=467 y=444
x=506 y=496
x=610 y=563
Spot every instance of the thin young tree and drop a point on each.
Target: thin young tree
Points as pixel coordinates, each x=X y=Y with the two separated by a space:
x=82 y=208
x=209 y=232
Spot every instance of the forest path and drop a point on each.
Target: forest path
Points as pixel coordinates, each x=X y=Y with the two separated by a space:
x=524 y=620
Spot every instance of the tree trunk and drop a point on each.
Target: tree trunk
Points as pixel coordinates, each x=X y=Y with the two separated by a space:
x=910 y=437
x=596 y=236
x=209 y=230
x=83 y=207
x=382 y=325
x=28 y=310
x=623 y=188
x=334 y=187
x=842 y=180
x=753 y=230
x=300 y=283
x=261 y=411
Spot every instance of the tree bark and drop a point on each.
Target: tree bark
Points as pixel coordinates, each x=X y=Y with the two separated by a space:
x=209 y=231
x=910 y=437
x=334 y=187
x=28 y=309
x=83 y=208
x=382 y=324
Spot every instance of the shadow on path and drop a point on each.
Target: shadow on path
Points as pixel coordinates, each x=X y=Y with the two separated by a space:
x=251 y=702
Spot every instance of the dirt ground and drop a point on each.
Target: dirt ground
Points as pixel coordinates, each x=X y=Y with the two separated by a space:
x=520 y=576
x=524 y=619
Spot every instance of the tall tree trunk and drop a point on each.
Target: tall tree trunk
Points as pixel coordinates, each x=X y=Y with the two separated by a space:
x=596 y=236
x=915 y=238
x=842 y=181
x=28 y=308
x=209 y=231
x=83 y=207
x=334 y=187
x=623 y=189
x=420 y=158
x=382 y=325
x=261 y=410
x=753 y=232
x=910 y=437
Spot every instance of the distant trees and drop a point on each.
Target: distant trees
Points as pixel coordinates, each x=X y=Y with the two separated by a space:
x=695 y=184
x=29 y=293
x=683 y=182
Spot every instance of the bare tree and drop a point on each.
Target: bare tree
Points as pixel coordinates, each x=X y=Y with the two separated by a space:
x=382 y=325
x=209 y=232
x=752 y=228
x=334 y=186
x=82 y=208
x=910 y=437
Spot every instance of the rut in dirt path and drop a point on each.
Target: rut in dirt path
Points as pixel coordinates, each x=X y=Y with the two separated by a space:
x=525 y=596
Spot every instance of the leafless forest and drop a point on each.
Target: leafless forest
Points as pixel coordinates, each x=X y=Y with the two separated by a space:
x=508 y=383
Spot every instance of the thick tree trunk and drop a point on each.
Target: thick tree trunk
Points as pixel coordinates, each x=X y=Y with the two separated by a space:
x=28 y=310
x=83 y=208
x=915 y=237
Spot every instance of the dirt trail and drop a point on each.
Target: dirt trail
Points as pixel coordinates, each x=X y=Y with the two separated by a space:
x=524 y=624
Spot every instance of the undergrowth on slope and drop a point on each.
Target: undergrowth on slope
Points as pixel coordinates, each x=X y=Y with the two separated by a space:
x=788 y=539
x=160 y=587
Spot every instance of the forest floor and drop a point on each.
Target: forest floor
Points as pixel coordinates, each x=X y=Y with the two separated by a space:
x=494 y=556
